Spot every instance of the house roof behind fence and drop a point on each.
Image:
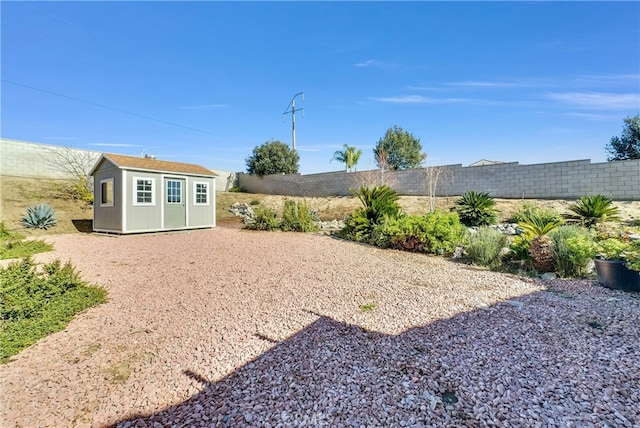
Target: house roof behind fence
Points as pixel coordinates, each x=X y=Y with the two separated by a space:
x=150 y=164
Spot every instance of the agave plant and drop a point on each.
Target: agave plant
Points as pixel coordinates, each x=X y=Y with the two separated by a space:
x=476 y=209
x=39 y=216
x=591 y=210
x=541 y=246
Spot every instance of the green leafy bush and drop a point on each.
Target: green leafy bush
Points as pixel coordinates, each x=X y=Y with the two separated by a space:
x=379 y=205
x=476 y=209
x=264 y=219
x=485 y=246
x=39 y=216
x=35 y=303
x=436 y=233
x=591 y=210
x=573 y=249
x=297 y=217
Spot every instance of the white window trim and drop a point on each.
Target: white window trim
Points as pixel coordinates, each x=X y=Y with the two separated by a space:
x=113 y=194
x=195 y=194
x=135 y=192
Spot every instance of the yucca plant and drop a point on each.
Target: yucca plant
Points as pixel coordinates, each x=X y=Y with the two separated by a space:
x=39 y=216
x=591 y=210
x=476 y=209
x=541 y=246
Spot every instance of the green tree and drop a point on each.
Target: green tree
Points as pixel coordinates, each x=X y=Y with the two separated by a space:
x=400 y=149
x=273 y=157
x=628 y=145
x=349 y=156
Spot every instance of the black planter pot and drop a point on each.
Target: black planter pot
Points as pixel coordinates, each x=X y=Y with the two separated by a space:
x=616 y=275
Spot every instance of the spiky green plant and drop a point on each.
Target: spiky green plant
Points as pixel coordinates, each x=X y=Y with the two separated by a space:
x=540 y=246
x=591 y=210
x=379 y=203
x=39 y=216
x=476 y=209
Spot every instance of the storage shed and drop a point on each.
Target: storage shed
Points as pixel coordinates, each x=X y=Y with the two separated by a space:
x=134 y=195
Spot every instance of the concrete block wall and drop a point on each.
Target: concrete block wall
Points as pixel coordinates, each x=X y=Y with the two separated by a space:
x=25 y=159
x=558 y=180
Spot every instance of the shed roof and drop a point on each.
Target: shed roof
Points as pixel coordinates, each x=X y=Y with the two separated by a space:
x=149 y=164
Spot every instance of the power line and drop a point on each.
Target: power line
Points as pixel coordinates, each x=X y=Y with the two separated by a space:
x=112 y=108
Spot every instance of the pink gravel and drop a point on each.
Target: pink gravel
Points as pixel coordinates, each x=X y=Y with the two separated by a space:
x=228 y=327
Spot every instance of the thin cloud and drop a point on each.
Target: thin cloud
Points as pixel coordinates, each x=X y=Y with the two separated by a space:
x=610 y=79
x=596 y=100
x=204 y=107
x=417 y=99
x=367 y=63
x=113 y=145
x=389 y=66
x=484 y=84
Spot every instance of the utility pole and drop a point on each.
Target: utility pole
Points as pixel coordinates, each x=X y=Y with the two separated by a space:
x=292 y=105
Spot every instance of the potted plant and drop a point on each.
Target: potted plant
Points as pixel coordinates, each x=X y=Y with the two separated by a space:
x=618 y=264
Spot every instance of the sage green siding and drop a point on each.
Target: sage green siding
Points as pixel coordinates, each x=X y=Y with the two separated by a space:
x=203 y=215
x=143 y=218
x=107 y=219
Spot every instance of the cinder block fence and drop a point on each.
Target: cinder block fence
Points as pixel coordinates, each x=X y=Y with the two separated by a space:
x=558 y=180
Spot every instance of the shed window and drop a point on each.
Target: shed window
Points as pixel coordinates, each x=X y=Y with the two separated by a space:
x=143 y=191
x=106 y=192
x=174 y=192
x=201 y=193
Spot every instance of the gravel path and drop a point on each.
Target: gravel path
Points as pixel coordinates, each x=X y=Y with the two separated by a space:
x=229 y=327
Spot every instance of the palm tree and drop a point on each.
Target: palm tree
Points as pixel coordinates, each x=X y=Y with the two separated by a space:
x=349 y=156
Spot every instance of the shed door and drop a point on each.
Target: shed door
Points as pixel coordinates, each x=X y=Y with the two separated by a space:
x=175 y=211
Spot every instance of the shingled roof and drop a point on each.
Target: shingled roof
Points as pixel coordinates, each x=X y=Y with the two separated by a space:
x=150 y=164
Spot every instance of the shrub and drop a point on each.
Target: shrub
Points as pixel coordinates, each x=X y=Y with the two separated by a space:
x=530 y=211
x=264 y=219
x=297 y=217
x=437 y=233
x=379 y=205
x=573 y=249
x=540 y=245
x=591 y=210
x=476 y=209
x=39 y=216
x=35 y=303
x=485 y=246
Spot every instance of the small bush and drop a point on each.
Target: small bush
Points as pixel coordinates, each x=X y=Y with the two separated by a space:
x=591 y=210
x=297 y=217
x=573 y=249
x=379 y=205
x=436 y=233
x=39 y=216
x=476 y=209
x=254 y=202
x=530 y=211
x=238 y=189
x=35 y=303
x=485 y=246
x=264 y=219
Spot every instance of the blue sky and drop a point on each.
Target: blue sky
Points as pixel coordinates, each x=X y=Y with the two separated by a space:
x=206 y=82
